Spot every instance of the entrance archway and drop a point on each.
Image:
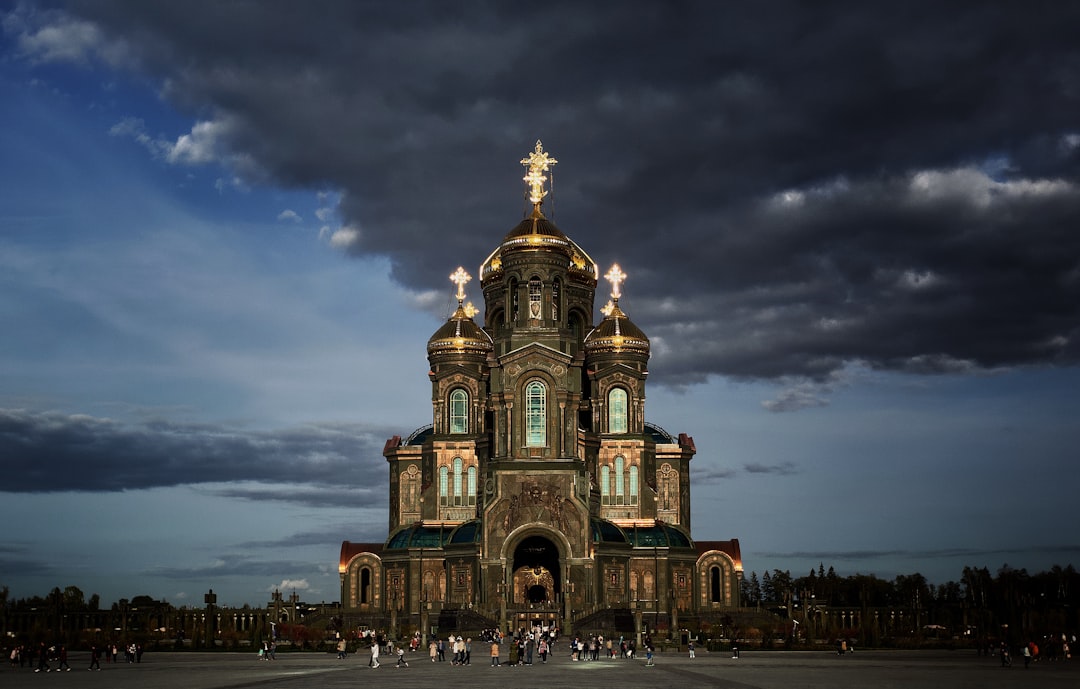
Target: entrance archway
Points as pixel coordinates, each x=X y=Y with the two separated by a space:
x=536 y=579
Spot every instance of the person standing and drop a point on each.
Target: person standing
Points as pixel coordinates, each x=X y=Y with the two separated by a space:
x=690 y=647
x=495 y=653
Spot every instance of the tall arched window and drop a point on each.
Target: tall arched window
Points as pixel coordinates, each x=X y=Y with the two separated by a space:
x=620 y=490
x=536 y=296
x=617 y=410
x=365 y=586
x=633 y=485
x=472 y=485
x=535 y=414
x=555 y=300
x=458 y=475
x=459 y=411
x=714 y=585
x=444 y=485
x=605 y=485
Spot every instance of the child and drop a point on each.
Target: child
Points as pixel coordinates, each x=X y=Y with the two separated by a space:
x=401 y=662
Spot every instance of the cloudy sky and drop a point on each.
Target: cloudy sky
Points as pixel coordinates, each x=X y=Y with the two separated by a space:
x=226 y=229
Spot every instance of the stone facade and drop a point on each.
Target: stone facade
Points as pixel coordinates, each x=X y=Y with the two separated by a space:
x=539 y=493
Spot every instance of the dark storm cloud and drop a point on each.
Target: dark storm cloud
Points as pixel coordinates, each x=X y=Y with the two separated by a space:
x=232 y=565
x=792 y=187
x=51 y=452
x=782 y=469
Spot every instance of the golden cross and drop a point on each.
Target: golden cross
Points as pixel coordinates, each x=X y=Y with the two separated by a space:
x=459 y=277
x=615 y=276
x=538 y=163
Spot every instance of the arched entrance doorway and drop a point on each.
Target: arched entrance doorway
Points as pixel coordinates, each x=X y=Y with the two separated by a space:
x=536 y=580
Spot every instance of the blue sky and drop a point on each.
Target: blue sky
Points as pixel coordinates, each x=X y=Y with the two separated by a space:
x=225 y=236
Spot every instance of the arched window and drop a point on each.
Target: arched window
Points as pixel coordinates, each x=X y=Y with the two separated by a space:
x=617 y=410
x=620 y=490
x=536 y=296
x=458 y=492
x=365 y=586
x=513 y=301
x=535 y=414
x=444 y=485
x=555 y=301
x=605 y=485
x=472 y=485
x=633 y=485
x=459 y=411
x=714 y=585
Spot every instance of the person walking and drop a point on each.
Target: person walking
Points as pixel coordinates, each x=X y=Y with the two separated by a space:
x=375 y=655
x=43 y=659
x=95 y=655
x=63 y=660
x=401 y=662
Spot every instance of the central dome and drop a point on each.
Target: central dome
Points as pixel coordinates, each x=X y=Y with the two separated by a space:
x=537 y=233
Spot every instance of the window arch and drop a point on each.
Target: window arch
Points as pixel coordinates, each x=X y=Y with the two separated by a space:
x=459 y=411
x=458 y=476
x=535 y=414
x=536 y=297
x=444 y=485
x=617 y=416
x=365 y=585
x=620 y=489
x=555 y=285
x=472 y=485
x=513 y=288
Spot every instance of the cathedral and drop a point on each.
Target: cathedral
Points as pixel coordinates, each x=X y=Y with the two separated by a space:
x=539 y=494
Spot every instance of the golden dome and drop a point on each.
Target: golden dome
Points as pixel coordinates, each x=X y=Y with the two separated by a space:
x=616 y=333
x=459 y=335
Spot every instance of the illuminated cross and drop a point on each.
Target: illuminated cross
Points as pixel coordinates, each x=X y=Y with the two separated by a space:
x=615 y=276
x=538 y=163
x=459 y=277
x=471 y=310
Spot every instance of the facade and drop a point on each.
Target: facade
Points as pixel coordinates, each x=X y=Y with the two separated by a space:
x=539 y=493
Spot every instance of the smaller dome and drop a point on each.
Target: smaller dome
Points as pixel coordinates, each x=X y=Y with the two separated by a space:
x=460 y=335
x=616 y=333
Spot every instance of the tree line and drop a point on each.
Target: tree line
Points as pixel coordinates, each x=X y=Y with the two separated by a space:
x=1011 y=605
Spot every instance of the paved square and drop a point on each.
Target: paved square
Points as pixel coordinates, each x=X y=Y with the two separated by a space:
x=763 y=670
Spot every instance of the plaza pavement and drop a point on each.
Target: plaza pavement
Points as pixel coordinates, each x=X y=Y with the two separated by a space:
x=763 y=670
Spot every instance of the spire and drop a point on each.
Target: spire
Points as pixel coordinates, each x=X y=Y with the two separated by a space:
x=459 y=277
x=616 y=277
x=537 y=163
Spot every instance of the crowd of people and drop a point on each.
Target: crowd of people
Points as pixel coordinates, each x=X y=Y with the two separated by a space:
x=42 y=657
